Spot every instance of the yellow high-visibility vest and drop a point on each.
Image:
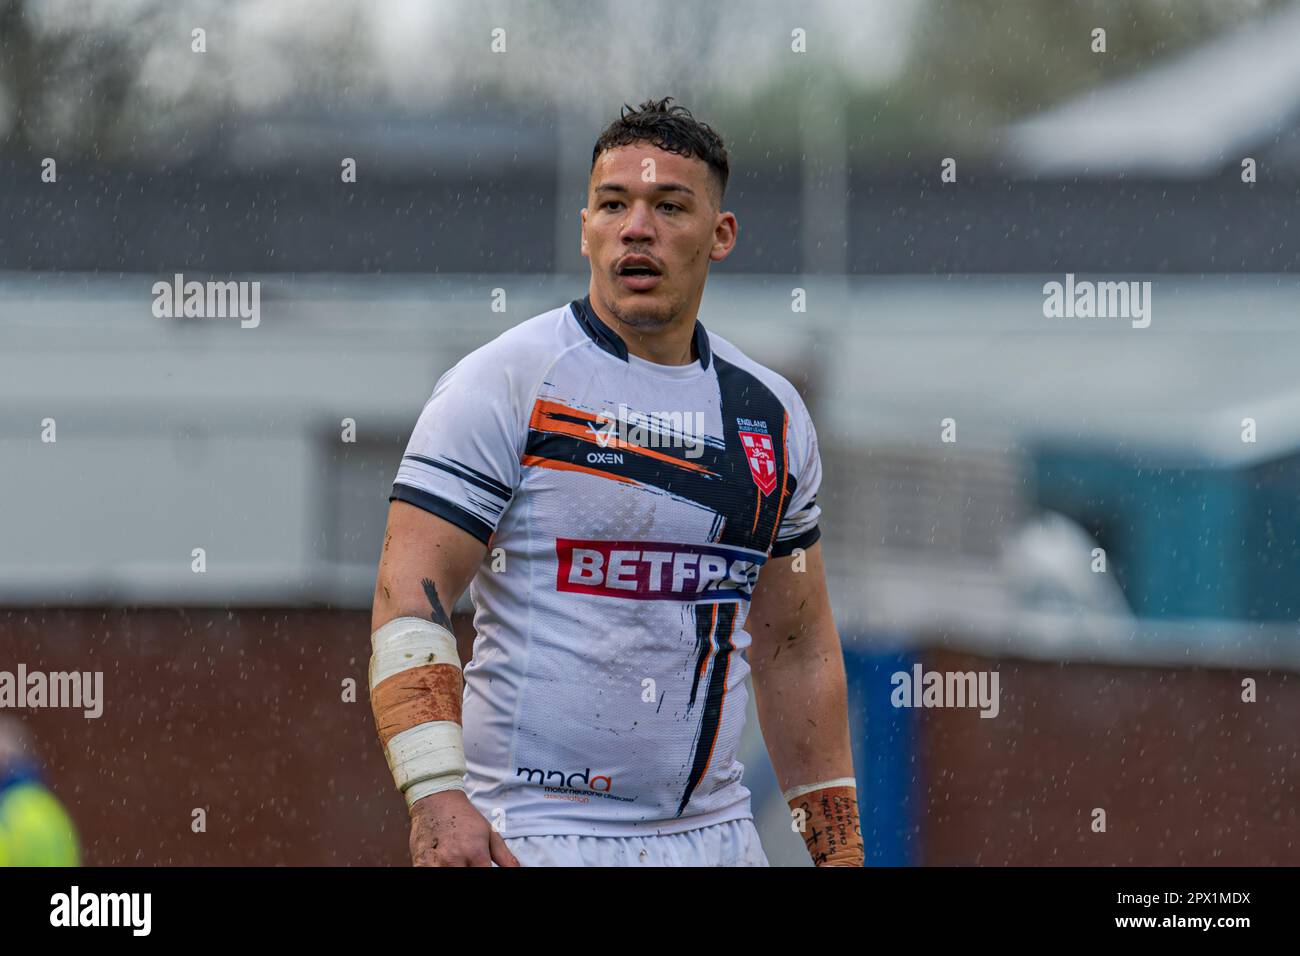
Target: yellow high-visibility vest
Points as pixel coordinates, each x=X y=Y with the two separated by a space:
x=35 y=830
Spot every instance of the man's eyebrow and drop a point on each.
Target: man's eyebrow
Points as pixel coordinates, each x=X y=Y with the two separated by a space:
x=658 y=187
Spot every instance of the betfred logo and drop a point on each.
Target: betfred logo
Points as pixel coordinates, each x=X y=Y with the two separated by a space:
x=656 y=570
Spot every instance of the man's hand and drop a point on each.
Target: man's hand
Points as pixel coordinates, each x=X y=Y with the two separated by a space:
x=446 y=830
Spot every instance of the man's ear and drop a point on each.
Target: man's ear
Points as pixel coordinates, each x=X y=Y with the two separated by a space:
x=584 y=232
x=724 y=236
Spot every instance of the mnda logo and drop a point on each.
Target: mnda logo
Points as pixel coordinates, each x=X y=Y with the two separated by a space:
x=567 y=780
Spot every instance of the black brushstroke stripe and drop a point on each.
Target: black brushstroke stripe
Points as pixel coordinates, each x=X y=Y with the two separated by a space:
x=678 y=480
x=716 y=528
x=704 y=622
x=466 y=474
x=502 y=490
x=712 y=719
x=488 y=506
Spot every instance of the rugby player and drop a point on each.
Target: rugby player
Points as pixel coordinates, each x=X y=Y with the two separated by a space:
x=627 y=573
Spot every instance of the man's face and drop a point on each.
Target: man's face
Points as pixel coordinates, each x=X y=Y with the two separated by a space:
x=650 y=229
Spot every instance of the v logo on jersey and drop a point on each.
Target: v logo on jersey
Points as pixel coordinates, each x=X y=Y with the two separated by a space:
x=607 y=433
x=762 y=460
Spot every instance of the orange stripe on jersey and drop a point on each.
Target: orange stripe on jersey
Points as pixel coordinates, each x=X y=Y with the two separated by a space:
x=546 y=417
x=537 y=462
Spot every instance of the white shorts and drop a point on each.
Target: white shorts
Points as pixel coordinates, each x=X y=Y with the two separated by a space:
x=734 y=843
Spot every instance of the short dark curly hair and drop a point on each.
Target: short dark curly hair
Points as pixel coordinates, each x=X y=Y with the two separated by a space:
x=671 y=128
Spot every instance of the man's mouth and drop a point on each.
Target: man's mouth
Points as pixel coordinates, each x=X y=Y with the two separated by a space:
x=638 y=273
x=638 y=266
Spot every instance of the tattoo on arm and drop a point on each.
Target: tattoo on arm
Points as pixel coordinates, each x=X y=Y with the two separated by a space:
x=438 y=614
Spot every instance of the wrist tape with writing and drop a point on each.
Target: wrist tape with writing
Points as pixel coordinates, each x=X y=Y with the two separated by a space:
x=826 y=816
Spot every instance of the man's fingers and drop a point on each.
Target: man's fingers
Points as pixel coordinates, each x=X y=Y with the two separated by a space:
x=500 y=852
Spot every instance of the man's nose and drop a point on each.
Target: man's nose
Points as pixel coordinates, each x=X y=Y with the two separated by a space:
x=639 y=223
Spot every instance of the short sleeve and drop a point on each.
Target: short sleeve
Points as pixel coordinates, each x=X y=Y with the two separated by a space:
x=462 y=462
x=799 y=527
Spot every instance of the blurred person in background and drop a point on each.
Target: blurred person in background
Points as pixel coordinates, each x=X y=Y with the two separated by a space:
x=35 y=830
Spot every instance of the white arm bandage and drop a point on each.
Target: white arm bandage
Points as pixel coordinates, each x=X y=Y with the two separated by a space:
x=415 y=693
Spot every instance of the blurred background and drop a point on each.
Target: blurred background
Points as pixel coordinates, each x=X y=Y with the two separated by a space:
x=471 y=128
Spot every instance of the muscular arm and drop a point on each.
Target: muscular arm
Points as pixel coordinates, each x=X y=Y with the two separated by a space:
x=425 y=565
x=799 y=686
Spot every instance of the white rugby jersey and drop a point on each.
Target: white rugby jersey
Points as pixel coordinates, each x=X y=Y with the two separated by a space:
x=629 y=508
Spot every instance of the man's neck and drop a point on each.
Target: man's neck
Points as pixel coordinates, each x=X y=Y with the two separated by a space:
x=674 y=345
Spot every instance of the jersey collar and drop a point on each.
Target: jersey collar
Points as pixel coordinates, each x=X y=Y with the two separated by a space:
x=608 y=339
